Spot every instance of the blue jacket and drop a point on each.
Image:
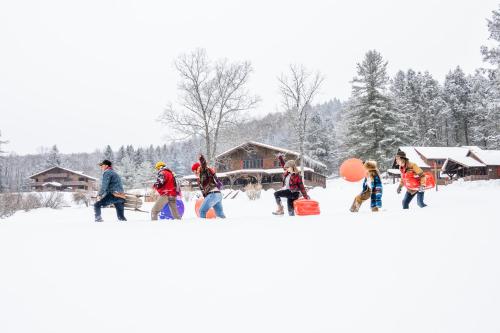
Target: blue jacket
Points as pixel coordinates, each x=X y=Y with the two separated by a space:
x=110 y=183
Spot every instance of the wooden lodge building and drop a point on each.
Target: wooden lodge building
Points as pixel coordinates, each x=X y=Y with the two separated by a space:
x=257 y=163
x=62 y=179
x=449 y=163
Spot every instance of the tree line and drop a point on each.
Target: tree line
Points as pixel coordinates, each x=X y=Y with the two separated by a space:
x=214 y=113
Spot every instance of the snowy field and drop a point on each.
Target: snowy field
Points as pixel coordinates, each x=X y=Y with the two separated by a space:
x=422 y=270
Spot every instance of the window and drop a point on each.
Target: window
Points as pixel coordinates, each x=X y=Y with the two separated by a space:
x=81 y=179
x=253 y=164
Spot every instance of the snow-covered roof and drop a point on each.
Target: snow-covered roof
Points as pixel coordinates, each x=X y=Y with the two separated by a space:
x=465 y=161
x=442 y=153
x=488 y=157
x=235 y=172
x=55 y=184
x=286 y=151
x=414 y=157
x=72 y=171
x=458 y=154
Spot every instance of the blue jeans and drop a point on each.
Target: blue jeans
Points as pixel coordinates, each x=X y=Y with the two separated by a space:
x=109 y=199
x=409 y=197
x=212 y=200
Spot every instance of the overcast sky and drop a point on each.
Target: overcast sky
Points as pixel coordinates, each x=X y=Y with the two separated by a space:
x=84 y=74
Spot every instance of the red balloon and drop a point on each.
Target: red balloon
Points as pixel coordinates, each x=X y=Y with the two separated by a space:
x=210 y=213
x=352 y=170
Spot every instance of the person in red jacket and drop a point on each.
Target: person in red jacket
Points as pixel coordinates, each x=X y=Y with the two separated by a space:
x=292 y=187
x=165 y=186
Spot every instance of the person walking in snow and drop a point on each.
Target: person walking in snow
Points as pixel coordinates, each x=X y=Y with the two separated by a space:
x=166 y=187
x=210 y=188
x=110 y=192
x=292 y=187
x=405 y=166
x=372 y=189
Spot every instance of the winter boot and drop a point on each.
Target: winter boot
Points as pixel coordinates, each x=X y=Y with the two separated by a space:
x=355 y=205
x=279 y=211
x=374 y=209
x=99 y=219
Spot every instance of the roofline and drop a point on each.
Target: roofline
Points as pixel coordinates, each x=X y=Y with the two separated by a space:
x=457 y=162
x=72 y=171
x=265 y=145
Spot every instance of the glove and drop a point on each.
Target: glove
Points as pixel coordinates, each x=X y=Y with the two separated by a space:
x=398 y=190
x=421 y=188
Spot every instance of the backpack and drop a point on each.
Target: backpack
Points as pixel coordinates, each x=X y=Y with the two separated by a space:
x=177 y=184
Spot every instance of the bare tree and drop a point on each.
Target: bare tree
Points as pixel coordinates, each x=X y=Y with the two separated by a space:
x=213 y=96
x=298 y=89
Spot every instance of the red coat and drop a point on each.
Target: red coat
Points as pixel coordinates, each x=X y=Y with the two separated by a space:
x=165 y=183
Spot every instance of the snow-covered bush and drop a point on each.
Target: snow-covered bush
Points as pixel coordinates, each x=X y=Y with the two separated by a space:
x=82 y=198
x=9 y=204
x=53 y=200
x=30 y=201
x=253 y=191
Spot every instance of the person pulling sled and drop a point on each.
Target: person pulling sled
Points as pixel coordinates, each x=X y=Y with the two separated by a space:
x=406 y=167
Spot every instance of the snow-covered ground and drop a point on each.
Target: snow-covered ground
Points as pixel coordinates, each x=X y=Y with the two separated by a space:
x=422 y=270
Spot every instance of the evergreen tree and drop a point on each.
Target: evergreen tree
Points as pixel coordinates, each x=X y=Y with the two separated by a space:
x=430 y=121
x=53 y=158
x=485 y=131
x=130 y=151
x=108 y=154
x=457 y=95
x=372 y=124
x=145 y=175
x=120 y=155
x=128 y=172
x=150 y=155
x=138 y=157
x=320 y=140
x=491 y=55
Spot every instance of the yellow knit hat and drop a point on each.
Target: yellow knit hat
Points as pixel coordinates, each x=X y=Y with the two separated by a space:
x=159 y=165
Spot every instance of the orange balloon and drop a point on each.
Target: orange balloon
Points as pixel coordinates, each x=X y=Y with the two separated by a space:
x=210 y=213
x=352 y=170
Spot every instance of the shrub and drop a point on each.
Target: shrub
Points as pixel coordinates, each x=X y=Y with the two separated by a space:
x=82 y=197
x=9 y=204
x=53 y=200
x=253 y=191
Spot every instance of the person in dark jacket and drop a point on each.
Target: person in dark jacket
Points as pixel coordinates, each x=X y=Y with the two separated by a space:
x=165 y=186
x=406 y=166
x=111 y=192
x=372 y=189
x=209 y=186
x=292 y=187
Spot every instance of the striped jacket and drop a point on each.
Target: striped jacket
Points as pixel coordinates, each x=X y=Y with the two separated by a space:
x=375 y=186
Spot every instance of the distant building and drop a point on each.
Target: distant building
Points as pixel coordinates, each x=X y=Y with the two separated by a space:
x=254 y=162
x=62 y=179
x=448 y=163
